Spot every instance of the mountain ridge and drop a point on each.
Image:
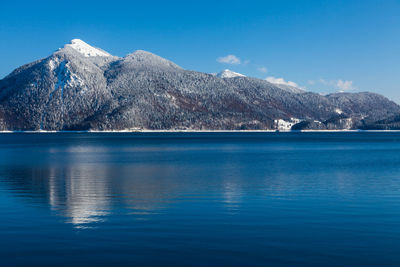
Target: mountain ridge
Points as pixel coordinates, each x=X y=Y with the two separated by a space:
x=85 y=88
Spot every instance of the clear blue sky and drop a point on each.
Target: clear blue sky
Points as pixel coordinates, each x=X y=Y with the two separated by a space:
x=324 y=46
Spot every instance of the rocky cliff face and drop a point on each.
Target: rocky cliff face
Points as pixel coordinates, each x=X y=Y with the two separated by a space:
x=80 y=87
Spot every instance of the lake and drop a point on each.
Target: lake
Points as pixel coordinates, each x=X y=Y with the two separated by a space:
x=203 y=199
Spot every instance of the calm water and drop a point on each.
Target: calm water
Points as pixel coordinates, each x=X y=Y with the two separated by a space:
x=323 y=199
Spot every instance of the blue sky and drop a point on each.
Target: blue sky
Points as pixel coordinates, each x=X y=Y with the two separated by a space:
x=323 y=46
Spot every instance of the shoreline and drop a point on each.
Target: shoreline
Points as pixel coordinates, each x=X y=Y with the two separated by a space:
x=201 y=131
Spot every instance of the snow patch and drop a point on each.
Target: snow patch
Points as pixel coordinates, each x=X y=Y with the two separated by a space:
x=172 y=100
x=64 y=78
x=338 y=111
x=52 y=65
x=283 y=125
x=348 y=123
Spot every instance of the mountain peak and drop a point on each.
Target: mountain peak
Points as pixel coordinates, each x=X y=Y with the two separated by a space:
x=229 y=74
x=141 y=57
x=86 y=49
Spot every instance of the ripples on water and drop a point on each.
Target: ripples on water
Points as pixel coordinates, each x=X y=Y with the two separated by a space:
x=204 y=199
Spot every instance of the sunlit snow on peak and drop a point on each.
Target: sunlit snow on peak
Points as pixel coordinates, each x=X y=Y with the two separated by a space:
x=229 y=74
x=87 y=50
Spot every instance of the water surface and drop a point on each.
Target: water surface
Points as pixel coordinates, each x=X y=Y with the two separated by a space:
x=206 y=199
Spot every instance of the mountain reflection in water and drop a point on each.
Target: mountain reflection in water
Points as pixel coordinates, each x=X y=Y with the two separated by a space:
x=83 y=182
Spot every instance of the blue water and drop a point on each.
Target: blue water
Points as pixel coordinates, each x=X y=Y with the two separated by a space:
x=205 y=199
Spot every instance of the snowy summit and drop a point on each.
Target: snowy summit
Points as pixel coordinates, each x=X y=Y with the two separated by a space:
x=86 y=50
x=229 y=74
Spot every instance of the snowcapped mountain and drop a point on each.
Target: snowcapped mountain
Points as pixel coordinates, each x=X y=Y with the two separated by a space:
x=229 y=74
x=80 y=87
